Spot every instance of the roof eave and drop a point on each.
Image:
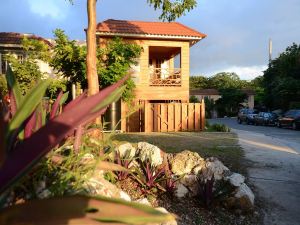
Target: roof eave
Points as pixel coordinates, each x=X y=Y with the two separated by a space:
x=192 y=39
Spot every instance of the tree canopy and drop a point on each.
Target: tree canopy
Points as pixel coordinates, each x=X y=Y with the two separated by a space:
x=172 y=9
x=219 y=81
x=27 y=70
x=113 y=61
x=282 y=79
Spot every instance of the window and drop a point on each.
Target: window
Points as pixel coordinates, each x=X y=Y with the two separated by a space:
x=3 y=64
x=20 y=58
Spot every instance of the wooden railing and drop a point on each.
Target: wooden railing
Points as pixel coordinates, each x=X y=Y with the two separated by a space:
x=165 y=77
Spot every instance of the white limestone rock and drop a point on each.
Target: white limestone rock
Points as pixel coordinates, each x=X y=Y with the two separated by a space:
x=184 y=162
x=150 y=152
x=235 y=179
x=126 y=148
x=98 y=185
x=191 y=182
x=125 y=196
x=245 y=194
x=143 y=201
x=213 y=168
x=181 y=191
x=163 y=210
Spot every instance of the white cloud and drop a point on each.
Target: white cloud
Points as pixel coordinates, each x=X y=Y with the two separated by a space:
x=56 y=9
x=244 y=72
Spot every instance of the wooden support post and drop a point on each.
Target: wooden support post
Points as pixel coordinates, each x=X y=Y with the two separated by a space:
x=202 y=115
x=177 y=115
x=184 y=116
x=164 y=117
x=148 y=117
x=191 y=119
x=171 y=127
x=123 y=116
x=197 y=116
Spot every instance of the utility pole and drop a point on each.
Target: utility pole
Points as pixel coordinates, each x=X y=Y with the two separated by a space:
x=270 y=50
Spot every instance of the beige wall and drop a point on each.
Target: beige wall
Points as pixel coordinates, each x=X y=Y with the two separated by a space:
x=251 y=101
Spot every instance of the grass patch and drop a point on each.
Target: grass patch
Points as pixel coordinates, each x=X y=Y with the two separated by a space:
x=221 y=145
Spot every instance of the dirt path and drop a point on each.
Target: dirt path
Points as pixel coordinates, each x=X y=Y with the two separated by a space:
x=275 y=172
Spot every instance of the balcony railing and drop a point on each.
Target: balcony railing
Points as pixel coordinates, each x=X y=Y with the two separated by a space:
x=165 y=76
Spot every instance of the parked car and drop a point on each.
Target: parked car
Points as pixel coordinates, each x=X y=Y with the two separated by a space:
x=246 y=115
x=266 y=118
x=290 y=119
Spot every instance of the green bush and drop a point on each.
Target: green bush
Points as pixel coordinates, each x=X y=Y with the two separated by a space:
x=3 y=85
x=218 y=128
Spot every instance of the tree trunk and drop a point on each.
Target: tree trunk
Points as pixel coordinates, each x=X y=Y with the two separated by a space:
x=91 y=62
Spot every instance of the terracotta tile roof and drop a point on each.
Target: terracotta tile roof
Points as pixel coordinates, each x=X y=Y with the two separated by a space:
x=148 y=28
x=16 y=38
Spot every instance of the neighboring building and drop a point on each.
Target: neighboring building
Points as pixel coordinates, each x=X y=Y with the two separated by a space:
x=162 y=74
x=205 y=93
x=11 y=43
x=214 y=94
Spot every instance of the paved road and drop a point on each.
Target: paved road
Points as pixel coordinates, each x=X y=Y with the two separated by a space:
x=274 y=170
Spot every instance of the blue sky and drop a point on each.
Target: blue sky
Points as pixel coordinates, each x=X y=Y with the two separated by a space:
x=238 y=30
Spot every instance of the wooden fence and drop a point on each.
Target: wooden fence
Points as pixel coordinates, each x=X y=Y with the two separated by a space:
x=166 y=117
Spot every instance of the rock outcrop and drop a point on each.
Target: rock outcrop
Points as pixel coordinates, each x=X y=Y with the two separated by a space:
x=184 y=162
x=151 y=153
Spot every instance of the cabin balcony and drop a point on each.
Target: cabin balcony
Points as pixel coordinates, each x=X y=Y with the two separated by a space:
x=164 y=76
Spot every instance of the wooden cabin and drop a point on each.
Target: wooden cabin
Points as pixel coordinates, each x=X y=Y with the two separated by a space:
x=162 y=73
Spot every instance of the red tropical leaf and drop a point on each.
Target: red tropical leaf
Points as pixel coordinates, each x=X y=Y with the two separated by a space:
x=55 y=106
x=42 y=141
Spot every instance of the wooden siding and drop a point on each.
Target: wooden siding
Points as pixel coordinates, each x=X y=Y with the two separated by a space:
x=163 y=117
x=143 y=90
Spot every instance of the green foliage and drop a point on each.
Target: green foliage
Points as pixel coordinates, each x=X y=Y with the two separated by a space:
x=3 y=86
x=27 y=71
x=199 y=82
x=172 y=9
x=115 y=61
x=226 y=80
x=282 y=79
x=28 y=114
x=219 y=81
x=228 y=104
x=216 y=127
x=36 y=49
x=209 y=107
x=69 y=59
x=194 y=99
x=55 y=86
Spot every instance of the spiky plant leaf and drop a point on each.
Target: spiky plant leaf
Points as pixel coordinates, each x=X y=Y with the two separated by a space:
x=56 y=105
x=82 y=210
x=27 y=106
x=13 y=85
x=32 y=149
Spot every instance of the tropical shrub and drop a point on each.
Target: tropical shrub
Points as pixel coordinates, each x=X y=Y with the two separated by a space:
x=150 y=176
x=19 y=156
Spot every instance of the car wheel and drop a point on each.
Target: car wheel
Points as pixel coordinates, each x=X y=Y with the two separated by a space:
x=294 y=127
